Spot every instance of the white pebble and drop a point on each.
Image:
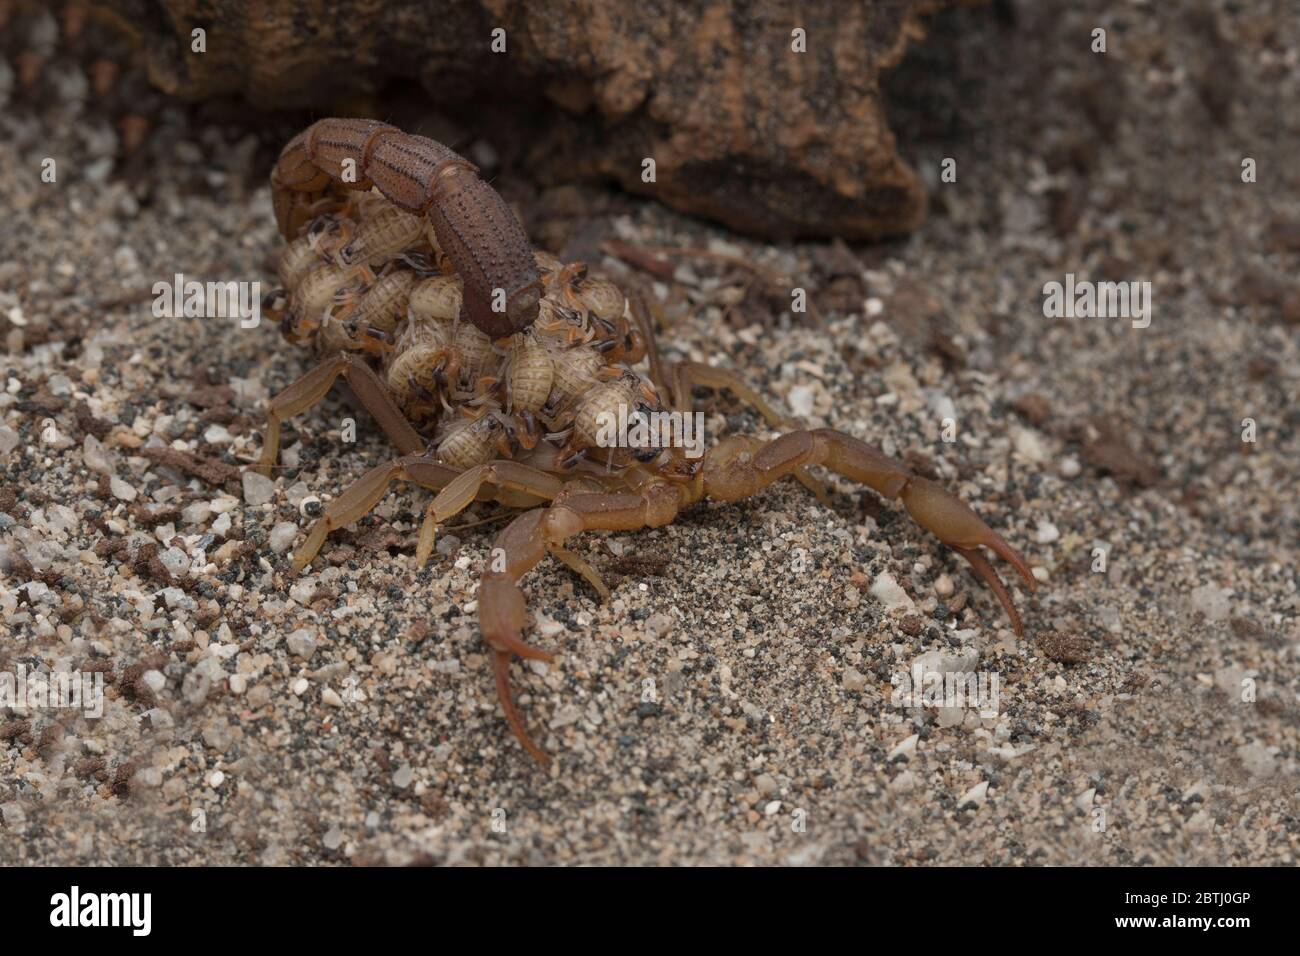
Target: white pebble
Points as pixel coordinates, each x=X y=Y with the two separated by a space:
x=1212 y=601
x=121 y=489
x=299 y=687
x=800 y=400
x=218 y=435
x=216 y=779
x=301 y=643
x=196 y=512
x=1070 y=467
x=258 y=489
x=174 y=560
x=904 y=748
x=888 y=592
x=943 y=586
x=282 y=536
x=975 y=796
x=1030 y=445
x=1046 y=533
x=95 y=456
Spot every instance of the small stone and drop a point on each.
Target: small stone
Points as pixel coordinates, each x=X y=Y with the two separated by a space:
x=155 y=680
x=975 y=796
x=1030 y=445
x=772 y=809
x=565 y=716
x=8 y=440
x=1212 y=601
x=59 y=385
x=159 y=719
x=904 y=782
x=301 y=643
x=238 y=684
x=888 y=592
x=800 y=400
x=216 y=779
x=1070 y=467
x=196 y=512
x=258 y=489
x=1260 y=761
x=218 y=735
x=657 y=625
x=333 y=838
x=903 y=749
x=853 y=680
x=943 y=586
x=402 y=777
x=175 y=597
x=1110 y=618
x=1046 y=533
x=95 y=456
x=947 y=717
x=174 y=560
x=195 y=687
x=149 y=777
x=299 y=687
x=282 y=535
x=331 y=698
x=222 y=525
x=765 y=783
x=218 y=435
x=121 y=489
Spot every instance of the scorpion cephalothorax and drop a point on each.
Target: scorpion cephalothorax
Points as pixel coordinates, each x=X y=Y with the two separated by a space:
x=494 y=370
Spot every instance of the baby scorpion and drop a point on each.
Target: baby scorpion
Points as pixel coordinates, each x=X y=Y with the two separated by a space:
x=498 y=401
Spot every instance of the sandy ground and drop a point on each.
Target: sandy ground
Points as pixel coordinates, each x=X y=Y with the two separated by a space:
x=733 y=702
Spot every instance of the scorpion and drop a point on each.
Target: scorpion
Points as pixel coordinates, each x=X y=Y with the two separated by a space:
x=490 y=368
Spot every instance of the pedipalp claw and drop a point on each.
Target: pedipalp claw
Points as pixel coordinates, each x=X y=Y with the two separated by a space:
x=981 y=566
x=501 y=670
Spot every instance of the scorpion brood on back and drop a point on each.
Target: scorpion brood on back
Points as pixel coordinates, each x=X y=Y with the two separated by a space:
x=492 y=368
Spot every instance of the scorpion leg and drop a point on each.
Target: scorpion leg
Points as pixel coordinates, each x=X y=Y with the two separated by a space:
x=738 y=473
x=515 y=490
x=315 y=385
x=367 y=491
x=645 y=325
x=516 y=485
x=525 y=541
x=690 y=374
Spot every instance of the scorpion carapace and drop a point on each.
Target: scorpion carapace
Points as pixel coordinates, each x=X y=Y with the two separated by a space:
x=473 y=226
x=516 y=418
